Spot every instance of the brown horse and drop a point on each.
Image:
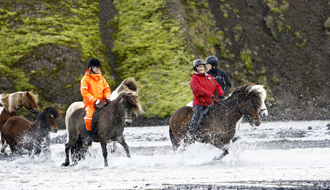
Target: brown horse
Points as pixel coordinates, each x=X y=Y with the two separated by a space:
x=12 y=103
x=219 y=123
x=21 y=133
x=110 y=126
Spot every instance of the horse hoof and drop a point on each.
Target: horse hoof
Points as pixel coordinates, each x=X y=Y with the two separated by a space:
x=65 y=164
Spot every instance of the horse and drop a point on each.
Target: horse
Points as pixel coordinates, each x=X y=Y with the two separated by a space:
x=21 y=133
x=219 y=124
x=10 y=104
x=111 y=120
x=130 y=83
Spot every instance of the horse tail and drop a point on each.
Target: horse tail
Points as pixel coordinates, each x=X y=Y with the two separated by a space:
x=73 y=107
x=175 y=143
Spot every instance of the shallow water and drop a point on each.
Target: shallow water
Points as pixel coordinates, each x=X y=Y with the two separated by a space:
x=267 y=156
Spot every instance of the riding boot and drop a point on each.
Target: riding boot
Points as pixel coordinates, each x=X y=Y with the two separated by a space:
x=89 y=140
x=192 y=130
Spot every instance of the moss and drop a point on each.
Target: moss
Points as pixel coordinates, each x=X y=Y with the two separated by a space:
x=246 y=57
x=297 y=34
x=68 y=23
x=275 y=81
x=154 y=46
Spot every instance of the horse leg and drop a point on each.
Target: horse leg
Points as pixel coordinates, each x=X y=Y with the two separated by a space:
x=67 y=149
x=112 y=146
x=225 y=151
x=105 y=153
x=4 y=144
x=121 y=140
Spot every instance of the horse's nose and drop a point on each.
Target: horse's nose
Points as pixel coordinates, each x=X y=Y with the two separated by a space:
x=128 y=121
x=263 y=113
x=54 y=129
x=257 y=123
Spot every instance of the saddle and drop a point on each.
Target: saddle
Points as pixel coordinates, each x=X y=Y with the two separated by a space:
x=95 y=120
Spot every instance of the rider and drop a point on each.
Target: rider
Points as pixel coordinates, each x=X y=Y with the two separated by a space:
x=219 y=75
x=95 y=92
x=204 y=88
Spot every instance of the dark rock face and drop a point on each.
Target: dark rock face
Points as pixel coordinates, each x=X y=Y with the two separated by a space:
x=297 y=56
x=54 y=69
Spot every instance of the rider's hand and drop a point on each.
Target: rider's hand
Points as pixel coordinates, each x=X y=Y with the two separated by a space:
x=222 y=97
x=213 y=98
x=99 y=103
x=107 y=100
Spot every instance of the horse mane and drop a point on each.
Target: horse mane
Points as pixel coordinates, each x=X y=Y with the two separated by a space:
x=249 y=92
x=133 y=99
x=14 y=101
x=130 y=83
x=51 y=110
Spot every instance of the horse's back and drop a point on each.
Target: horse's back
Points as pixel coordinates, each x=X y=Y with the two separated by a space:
x=179 y=121
x=73 y=107
x=15 y=126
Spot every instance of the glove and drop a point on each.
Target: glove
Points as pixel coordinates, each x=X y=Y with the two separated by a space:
x=107 y=100
x=213 y=98
x=99 y=104
x=222 y=97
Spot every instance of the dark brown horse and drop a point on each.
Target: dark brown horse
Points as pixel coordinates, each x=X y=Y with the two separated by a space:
x=110 y=126
x=10 y=104
x=220 y=122
x=21 y=133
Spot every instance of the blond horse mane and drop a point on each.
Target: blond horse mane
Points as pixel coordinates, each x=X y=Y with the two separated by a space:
x=133 y=98
x=15 y=101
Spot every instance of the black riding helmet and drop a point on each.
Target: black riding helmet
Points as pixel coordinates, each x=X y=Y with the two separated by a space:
x=213 y=60
x=198 y=62
x=94 y=62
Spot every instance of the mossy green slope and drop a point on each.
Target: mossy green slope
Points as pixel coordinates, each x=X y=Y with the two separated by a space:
x=27 y=25
x=150 y=45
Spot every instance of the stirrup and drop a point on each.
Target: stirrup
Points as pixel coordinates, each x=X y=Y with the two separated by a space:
x=88 y=141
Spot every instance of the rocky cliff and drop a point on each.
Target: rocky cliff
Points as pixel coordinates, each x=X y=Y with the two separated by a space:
x=283 y=45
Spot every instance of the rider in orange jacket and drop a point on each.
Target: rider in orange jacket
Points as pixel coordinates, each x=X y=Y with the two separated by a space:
x=95 y=92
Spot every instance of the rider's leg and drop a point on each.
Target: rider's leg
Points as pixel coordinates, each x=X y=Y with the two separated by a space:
x=198 y=109
x=88 y=122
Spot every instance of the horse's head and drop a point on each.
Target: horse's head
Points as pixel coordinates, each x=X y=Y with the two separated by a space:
x=30 y=101
x=128 y=103
x=50 y=114
x=252 y=102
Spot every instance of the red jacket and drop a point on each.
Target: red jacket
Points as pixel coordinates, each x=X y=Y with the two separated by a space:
x=93 y=87
x=203 y=89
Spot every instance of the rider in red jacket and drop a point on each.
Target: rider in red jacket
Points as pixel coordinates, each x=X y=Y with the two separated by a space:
x=204 y=88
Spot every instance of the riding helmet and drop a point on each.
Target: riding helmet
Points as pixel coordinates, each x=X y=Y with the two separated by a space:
x=198 y=62
x=94 y=62
x=213 y=60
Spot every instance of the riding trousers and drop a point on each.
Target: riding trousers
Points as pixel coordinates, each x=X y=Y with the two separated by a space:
x=90 y=108
x=198 y=110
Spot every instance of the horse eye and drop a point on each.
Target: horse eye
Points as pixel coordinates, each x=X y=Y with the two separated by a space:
x=51 y=115
x=124 y=106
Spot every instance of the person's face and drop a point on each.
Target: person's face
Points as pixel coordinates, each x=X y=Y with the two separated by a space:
x=201 y=69
x=208 y=66
x=97 y=70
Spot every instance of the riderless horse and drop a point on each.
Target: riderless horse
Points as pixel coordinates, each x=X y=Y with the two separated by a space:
x=10 y=104
x=21 y=133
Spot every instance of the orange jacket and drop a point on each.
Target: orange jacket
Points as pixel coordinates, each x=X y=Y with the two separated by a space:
x=93 y=87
